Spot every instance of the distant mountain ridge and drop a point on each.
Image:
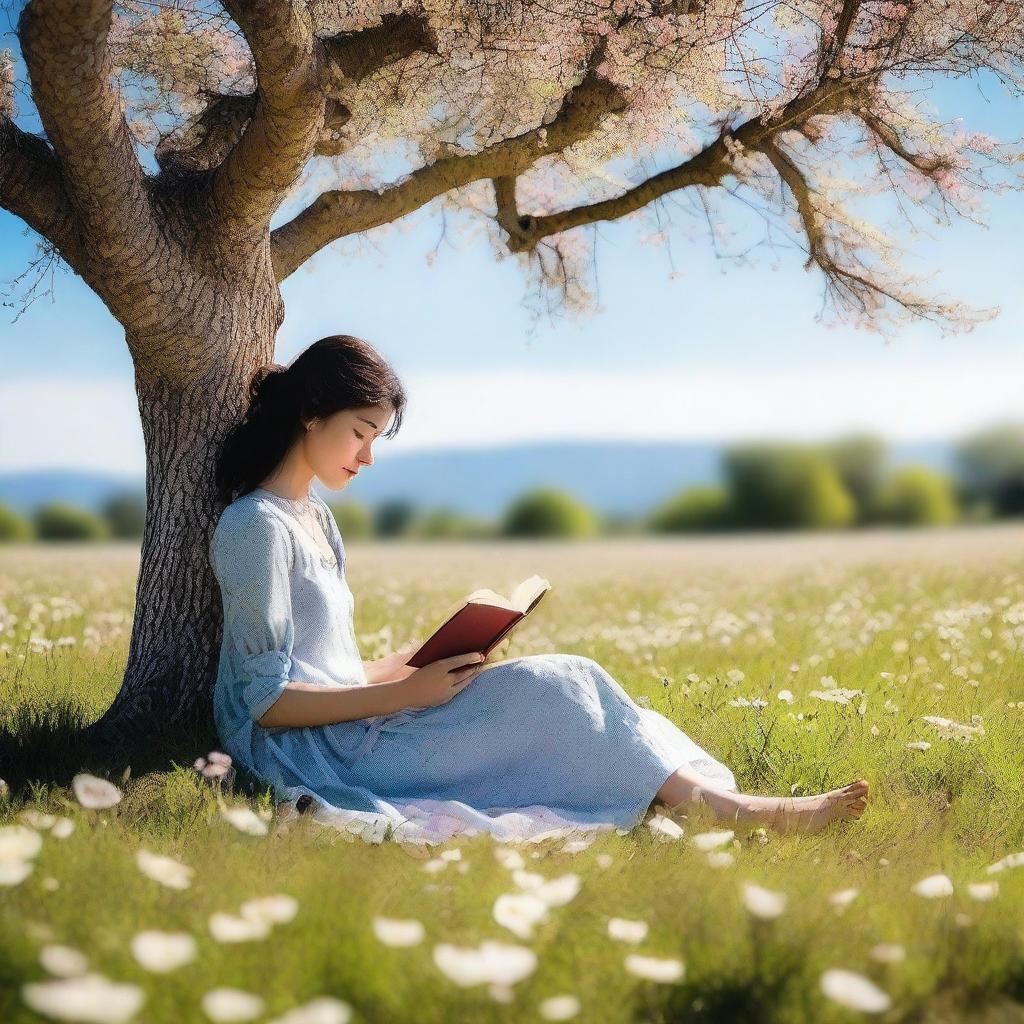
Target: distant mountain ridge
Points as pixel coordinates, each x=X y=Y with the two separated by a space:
x=615 y=478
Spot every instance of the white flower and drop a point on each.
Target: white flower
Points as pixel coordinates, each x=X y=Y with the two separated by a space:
x=455 y=854
x=163 y=951
x=654 y=969
x=712 y=840
x=950 y=730
x=558 y=891
x=37 y=819
x=94 y=793
x=271 y=909
x=394 y=932
x=507 y=858
x=854 y=991
x=165 y=870
x=933 y=887
x=837 y=695
x=519 y=912
x=91 y=997
x=528 y=880
x=496 y=962
x=720 y=859
x=18 y=843
x=245 y=820
x=919 y=745
x=62 y=828
x=763 y=903
x=982 y=890
x=888 y=953
x=225 y=1004
x=226 y=928
x=434 y=865
x=735 y=675
x=322 y=1010
x=1011 y=860
x=786 y=695
x=559 y=1007
x=844 y=897
x=64 y=961
x=14 y=872
x=664 y=828
x=627 y=931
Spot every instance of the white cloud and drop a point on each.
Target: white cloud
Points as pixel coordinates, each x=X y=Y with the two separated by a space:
x=94 y=423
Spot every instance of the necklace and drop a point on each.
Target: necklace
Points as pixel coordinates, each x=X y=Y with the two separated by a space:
x=304 y=513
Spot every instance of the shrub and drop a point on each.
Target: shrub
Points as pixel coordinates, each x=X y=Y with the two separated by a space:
x=916 y=496
x=59 y=521
x=393 y=518
x=991 y=465
x=859 y=460
x=786 y=486
x=13 y=526
x=697 y=508
x=353 y=519
x=125 y=514
x=546 y=512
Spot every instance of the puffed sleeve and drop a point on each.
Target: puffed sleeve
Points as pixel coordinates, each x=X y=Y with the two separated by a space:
x=250 y=553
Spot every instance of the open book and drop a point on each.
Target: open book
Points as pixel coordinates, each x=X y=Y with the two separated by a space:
x=480 y=621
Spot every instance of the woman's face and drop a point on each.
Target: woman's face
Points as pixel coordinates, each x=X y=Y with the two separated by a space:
x=339 y=446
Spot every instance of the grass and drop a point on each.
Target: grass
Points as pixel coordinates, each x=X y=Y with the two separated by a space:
x=925 y=624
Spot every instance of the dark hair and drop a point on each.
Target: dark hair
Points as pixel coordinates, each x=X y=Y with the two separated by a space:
x=335 y=373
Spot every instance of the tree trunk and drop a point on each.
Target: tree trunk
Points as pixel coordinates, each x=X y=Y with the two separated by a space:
x=166 y=697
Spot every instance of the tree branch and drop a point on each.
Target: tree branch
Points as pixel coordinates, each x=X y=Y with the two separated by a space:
x=31 y=188
x=64 y=43
x=337 y=214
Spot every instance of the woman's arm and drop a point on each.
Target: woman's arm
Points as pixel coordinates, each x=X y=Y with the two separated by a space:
x=302 y=705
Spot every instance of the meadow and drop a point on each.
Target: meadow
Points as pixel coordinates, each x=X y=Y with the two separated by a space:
x=802 y=662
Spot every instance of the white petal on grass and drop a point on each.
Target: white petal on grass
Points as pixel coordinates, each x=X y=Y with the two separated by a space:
x=559 y=1007
x=933 y=887
x=226 y=1004
x=508 y=858
x=161 y=952
x=90 y=998
x=763 y=903
x=888 y=953
x=277 y=909
x=398 y=932
x=36 y=819
x=1011 y=860
x=559 y=891
x=62 y=828
x=18 y=843
x=95 y=793
x=919 y=745
x=455 y=854
x=664 y=828
x=706 y=841
x=519 y=912
x=434 y=865
x=64 y=961
x=245 y=819
x=786 y=695
x=528 y=880
x=14 y=872
x=322 y=1010
x=720 y=859
x=228 y=928
x=654 y=968
x=625 y=930
x=844 y=897
x=983 y=891
x=165 y=870
x=497 y=962
x=854 y=991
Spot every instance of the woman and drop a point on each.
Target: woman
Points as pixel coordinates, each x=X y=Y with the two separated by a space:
x=542 y=745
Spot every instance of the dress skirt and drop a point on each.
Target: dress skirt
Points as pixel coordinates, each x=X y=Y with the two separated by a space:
x=534 y=747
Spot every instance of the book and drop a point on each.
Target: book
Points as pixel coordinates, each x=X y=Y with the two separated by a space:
x=479 y=622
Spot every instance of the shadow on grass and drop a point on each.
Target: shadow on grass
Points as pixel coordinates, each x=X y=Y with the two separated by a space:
x=45 y=747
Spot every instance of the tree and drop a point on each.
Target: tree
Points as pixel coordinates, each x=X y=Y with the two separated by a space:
x=546 y=512
x=991 y=465
x=915 y=496
x=126 y=514
x=14 y=526
x=393 y=518
x=57 y=520
x=859 y=460
x=150 y=145
x=785 y=487
x=354 y=521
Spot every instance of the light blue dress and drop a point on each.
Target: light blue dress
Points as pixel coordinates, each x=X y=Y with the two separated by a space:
x=545 y=744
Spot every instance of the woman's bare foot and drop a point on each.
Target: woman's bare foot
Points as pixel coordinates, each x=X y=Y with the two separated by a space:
x=788 y=815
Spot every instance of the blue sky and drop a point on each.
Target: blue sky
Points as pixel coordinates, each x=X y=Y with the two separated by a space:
x=720 y=352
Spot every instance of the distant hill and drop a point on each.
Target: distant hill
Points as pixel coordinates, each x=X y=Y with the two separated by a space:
x=621 y=478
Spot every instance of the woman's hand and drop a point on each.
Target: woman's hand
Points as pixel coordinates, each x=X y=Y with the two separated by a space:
x=393 y=667
x=439 y=681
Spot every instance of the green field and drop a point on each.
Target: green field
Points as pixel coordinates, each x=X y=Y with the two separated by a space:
x=925 y=624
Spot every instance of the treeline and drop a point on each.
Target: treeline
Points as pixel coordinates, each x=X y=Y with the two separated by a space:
x=842 y=483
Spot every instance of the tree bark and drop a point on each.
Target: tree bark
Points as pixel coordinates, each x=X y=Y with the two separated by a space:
x=165 y=701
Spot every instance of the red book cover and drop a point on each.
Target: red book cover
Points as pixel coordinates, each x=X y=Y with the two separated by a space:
x=480 y=622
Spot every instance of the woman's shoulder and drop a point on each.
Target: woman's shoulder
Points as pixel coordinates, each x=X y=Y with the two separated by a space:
x=249 y=520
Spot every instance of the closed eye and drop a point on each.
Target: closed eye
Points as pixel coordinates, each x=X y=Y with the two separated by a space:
x=360 y=436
